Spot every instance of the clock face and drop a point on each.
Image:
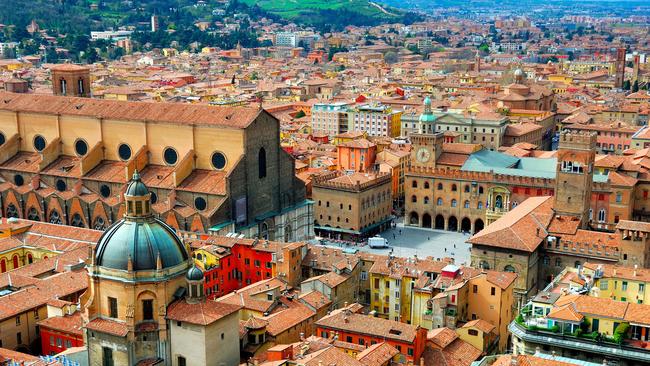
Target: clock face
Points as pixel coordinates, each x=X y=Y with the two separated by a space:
x=423 y=155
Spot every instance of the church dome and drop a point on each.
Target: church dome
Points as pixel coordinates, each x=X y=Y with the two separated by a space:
x=139 y=238
x=195 y=274
x=136 y=187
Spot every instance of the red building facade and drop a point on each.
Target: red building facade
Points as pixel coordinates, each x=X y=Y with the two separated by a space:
x=60 y=333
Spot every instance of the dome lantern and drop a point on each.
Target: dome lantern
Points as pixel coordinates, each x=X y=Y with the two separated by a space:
x=137 y=197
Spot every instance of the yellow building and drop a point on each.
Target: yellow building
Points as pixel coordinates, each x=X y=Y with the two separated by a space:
x=620 y=283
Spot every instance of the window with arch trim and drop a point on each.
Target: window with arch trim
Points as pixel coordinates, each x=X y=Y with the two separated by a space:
x=414 y=199
x=77 y=220
x=466 y=188
x=601 y=215
x=619 y=197
x=426 y=199
x=440 y=186
x=479 y=205
x=33 y=215
x=414 y=184
x=439 y=202
x=454 y=188
x=454 y=203
x=466 y=204
x=509 y=268
x=55 y=217
x=426 y=185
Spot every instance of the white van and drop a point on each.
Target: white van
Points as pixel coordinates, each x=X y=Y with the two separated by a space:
x=377 y=242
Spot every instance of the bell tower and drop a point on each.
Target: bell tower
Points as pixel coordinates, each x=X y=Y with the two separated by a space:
x=70 y=80
x=574 y=175
x=426 y=149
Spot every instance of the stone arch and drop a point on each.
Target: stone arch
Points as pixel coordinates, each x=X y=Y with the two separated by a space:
x=484 y=264
x=478 y=225
x=3 y=265
x=414 y=218
x=466 y=225
x=142 y=313
x=452 y=223
x=77 y=220
x=509 y=268
x=15 y=262
x=440 y=222
x=12 y=207
x=30 y=258
x=33 y=214
x=54 y=209
x=426 y=220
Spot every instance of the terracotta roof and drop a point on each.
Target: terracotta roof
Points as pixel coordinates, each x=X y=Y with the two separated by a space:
x=177 y=113
x=108 y=326
x=329 y=356
x=441 y=337
x=452 y=159
x=528 y=360
x=201 y=313
x=523 y=228
x=480 y=324
x=70 y=324
x=565 y=313
x=377 y=354
x=364 y=324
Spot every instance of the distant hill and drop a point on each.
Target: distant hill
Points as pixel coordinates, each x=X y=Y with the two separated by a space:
x=336 y=14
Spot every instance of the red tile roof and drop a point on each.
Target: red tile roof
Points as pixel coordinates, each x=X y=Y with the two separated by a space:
x=201 y=313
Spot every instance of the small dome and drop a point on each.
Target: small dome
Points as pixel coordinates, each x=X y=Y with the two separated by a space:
x=427 y=101
x=143 y=241
x=519 y=72
x=136 y=187
x=194 y=274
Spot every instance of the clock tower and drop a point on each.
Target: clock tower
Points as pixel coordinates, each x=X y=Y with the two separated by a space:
x=426 y=149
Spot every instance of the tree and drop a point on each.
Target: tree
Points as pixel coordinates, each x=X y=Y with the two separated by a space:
x=635 y=86
x=626 y=85
x=390 y=57
x=484 y=48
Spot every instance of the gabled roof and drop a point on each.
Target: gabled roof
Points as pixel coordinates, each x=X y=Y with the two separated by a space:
x=523 y=228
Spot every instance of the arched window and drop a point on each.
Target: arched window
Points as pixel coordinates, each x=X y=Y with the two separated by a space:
x=64 y=86
x=414 y=184
x=14 y=261
x=454 y=203
x=3 y=266
x=100 y=224
x=32 y=214
x=77 y=220
x=199 y=256
x=480 y=189
x=601 y=215
x=30 y=258
x=479 y=205
x=80 y=86
x=261 y=163
x=55 y=218
x=558 y=262
x=288 y=234
x=484 y=265
x=414 y=199
x=440 y=186
x=264 y=231
x=466 y=188
x=454 y=188
x=466 y=204
x=439 y=202
x=426 y=200
x=509 y=268
x=12 y=211
x=426 y=185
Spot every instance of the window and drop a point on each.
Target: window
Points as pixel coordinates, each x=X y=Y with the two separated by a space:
x=124 y=151
x=493 y=291
x=641 y=287
x=414 y=199
x=218 y=160
x=19 y=180
x=479 y=205
x=466 y=188
x=39 y=143
x=376 y=282
x=147 y=309
x=426 y=185
x=624 y=286
x=81 y=147
x=454 y=188
x=18 y=320
x=410 y=351
x=105 y=190
x=439 y=202
x=414 y=184
x=261 y=163
x=466 y=204
x=51 y=340
x=200 y=203
x=182 y=361
x=558 y=262
x=112 y=307
x=60 y=185
x=59 y=342
x=475 y=289
x=619 y=197
x=170 y=156
x=454 y=203
x=509 y=268
x=440 y=186
x=601 y=215
x=546 y=260
x=472 y=332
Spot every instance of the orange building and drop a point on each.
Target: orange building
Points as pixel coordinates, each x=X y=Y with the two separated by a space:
x=357 y=155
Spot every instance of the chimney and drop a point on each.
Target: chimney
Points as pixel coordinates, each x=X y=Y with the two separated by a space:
x=636 y=266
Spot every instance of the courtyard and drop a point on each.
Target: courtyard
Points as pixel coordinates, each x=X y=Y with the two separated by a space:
x=407 y=241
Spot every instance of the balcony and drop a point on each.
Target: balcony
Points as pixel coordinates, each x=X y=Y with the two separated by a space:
x=591 y=343
x=493 y=214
